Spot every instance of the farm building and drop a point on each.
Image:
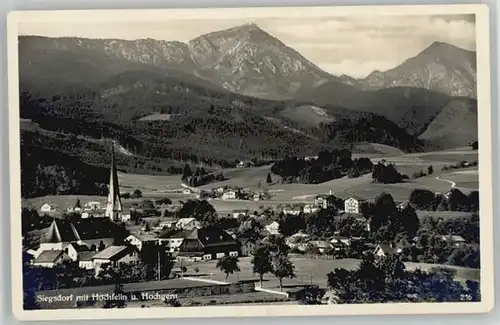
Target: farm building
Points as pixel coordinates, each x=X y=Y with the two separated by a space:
x=386 y=250
x=141 y=239
x=50 y=258
x=229 y=195
x=351 y=205
x=187 y=223
x=208 y=243
x=114 y=255
x=48 y=207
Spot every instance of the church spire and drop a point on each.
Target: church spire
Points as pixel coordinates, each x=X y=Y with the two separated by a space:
x=114 y=206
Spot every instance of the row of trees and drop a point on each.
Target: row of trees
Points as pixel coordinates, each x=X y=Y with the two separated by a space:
x=455 y=200
x=327 y=166
x=386 y=280
x=200 y=176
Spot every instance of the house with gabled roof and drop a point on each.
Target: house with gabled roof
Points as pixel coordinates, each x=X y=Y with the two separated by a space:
x=386 y=250
x=187 y=223
x=50 y=258
x=48 y=207
x=142 y=239
x=74 y=250
x=208 y=243
x=90 y=232
x=114 y=255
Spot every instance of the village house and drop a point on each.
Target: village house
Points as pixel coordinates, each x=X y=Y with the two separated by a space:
x=382 y=250
x=141 y=240
x=309 y=208
x=92 y=206
x=239 y=212
x=173 y=238
x=292 y=210
x=298 y=241
x=187 y=191
x=48 y=208
x=208 y=243
x=85 y=260
x=50 y=258
x=74 y=250
x=351 y=205
x=344 y=241
x=114 y=255
x=92 y=232
x=453 y=240
x=166 y=224
x=229 y=195
x=247 y=246
x=323 y=246
x=271 y=226
x=187 y=223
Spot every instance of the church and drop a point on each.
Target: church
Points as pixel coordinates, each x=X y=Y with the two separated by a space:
x=114 y=207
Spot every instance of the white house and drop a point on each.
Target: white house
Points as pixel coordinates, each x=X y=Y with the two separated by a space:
x=351 y=205
x=139 y=240
x=323 y=246
x=187 y=223
x=292 y=210
x=273 y=228
x=48 y=207
x=74 y=250
x=165 y=224
x=237 y=213
x=186 y=191
x=309 y=208
x=113 y=255
x=229 y=195
x=92 y=206
x=385 y=250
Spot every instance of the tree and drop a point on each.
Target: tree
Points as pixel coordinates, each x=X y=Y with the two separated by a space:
x=474 y=145
x=186 y=172
x=77 y=204
x=228 y=265
x=269 y=179
x=423 y=199
x=101 y=246
x=262 y=261
x=201 y=210
x=282 y=267
x=137 y=193
x=430 y=170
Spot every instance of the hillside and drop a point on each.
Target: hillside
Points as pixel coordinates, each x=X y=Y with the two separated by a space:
x=244 y=59
x=441 y=67
x=410 y=108
x=455 y=126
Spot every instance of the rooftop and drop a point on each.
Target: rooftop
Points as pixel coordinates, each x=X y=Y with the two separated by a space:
x=48 y=256
x=110 y=252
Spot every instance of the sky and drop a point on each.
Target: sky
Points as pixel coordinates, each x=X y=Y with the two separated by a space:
x=355 y=46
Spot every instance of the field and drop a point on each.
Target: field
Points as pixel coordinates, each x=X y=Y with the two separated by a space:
x=154 y=187
x=309 y=271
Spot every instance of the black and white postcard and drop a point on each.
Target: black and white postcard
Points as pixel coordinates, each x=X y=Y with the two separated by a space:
x=250 y=162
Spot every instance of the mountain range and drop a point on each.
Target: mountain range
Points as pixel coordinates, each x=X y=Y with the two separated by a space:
x=237 y=94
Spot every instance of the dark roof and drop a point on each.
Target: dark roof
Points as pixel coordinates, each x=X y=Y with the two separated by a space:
x=48 y=256
x=212 y=235
x=83 y=229
x=387 y=248
x=176 y=233
x=86 y=256
x=60 y=231
x=80 y=248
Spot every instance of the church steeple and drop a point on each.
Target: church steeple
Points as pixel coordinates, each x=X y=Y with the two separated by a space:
x=114 y=207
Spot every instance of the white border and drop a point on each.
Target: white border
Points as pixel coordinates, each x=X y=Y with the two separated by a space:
x=132 y=15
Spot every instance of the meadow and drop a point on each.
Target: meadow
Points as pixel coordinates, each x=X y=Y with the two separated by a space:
x=155 y=187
